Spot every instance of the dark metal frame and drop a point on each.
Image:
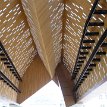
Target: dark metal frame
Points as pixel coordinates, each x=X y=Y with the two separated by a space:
x=7 y=61
x=8 y=82
x=85 y=32
x=99 y=43
x=83 y=49
x=15 y=73
x=100 y=12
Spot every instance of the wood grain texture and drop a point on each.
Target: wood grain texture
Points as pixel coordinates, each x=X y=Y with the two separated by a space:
x=66 y=84
x=39 y=17
x=54 y=24
x=18 y=42
x=34 y=79
x=100 y=71
x=15 y=34
x=75 y=15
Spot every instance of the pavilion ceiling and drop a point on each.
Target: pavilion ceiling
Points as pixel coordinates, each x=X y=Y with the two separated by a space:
x=17 y=40
x=45 y=21
x=53 y=28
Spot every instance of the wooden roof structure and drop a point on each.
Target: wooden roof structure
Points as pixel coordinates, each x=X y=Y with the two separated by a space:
x=65 y=31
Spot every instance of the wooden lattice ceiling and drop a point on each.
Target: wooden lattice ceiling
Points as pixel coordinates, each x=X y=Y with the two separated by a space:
x=17 y=40
x=55 y=23
x=45 y=20
x=55 y=27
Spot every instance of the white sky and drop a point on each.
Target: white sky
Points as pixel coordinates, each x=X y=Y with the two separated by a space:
x=48 y=96
x=51 y=96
